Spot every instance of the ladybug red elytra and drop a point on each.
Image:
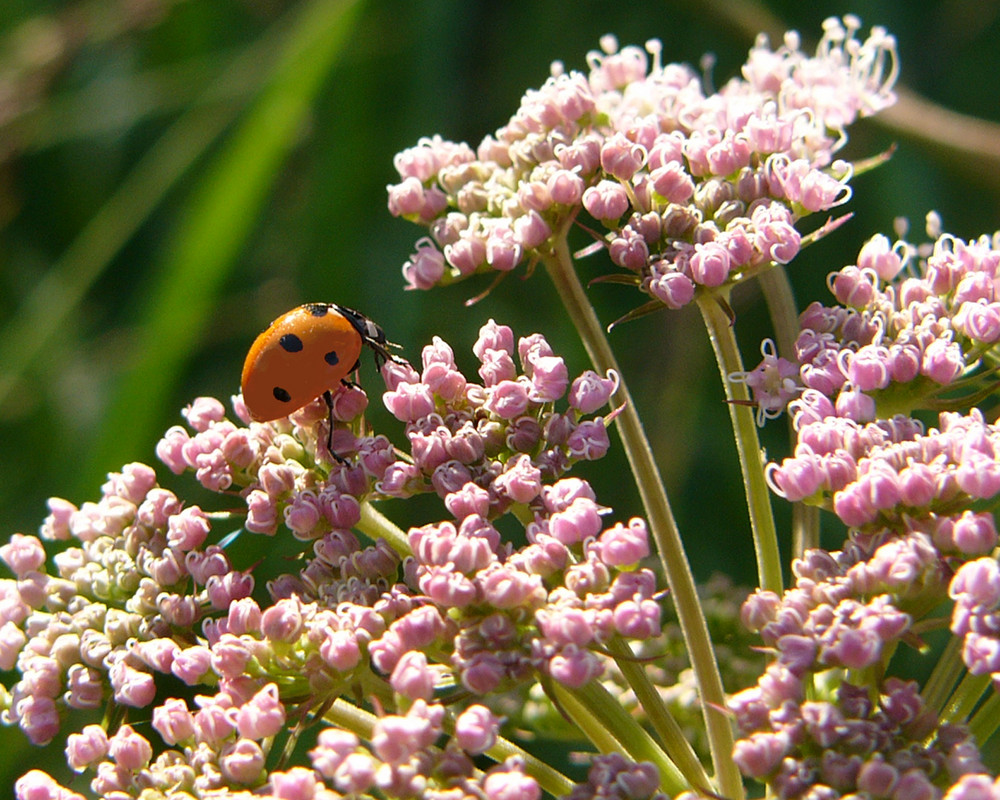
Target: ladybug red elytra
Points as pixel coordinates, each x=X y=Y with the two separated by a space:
x=304 y=354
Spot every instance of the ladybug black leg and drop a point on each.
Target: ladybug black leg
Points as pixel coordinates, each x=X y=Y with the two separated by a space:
x=345 y=381
x=328 y=399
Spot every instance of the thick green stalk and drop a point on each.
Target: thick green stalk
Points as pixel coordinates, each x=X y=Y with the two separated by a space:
x=781 y=308
x=604 y=721
x=947 y=670
x=805 y=528
x=674 y=742
x=348 y=716
x=986 y=720
x=742 y=416
x=965 y=698
x=784 y=313
x=559 y=265
x=375 y=524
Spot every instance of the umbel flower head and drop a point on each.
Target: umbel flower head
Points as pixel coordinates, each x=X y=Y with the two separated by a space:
x=143 y=598
x=685 y=189
x=805 y=728
x=911 y=329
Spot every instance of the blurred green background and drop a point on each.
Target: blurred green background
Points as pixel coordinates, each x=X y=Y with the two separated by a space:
x=175 y=173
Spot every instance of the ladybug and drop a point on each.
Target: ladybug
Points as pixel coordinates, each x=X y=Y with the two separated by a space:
x=304 y=354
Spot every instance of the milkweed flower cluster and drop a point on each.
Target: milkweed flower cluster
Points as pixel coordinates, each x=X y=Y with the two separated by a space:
x=143 y=593
x=692 y=189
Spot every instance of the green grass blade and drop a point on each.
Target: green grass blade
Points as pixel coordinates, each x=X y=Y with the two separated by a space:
x=53 y=299
x=219 y=216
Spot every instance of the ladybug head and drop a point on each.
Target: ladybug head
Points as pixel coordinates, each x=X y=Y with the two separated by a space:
x=371 y=334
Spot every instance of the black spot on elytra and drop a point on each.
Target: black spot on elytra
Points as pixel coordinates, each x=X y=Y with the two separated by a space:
x=290 y=343
x=317 y=309
x=281 y=395
x=332 y=358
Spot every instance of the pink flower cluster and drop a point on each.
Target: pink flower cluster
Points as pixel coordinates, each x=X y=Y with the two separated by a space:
x=693 y=190
x=486 y=449
x=910 y=331
x=910 y=327
x=403 y=762
x=138 y=569
x=219 y=751
x=613 y=777
x=503 y=436
x=668 y=666
x=845 y=608
x=893 y=473
x=847 y=611
x=976 y=592
x=909 y=323
x=505 y=614
x=889 y=746
x=282 y=468
x=143 y=596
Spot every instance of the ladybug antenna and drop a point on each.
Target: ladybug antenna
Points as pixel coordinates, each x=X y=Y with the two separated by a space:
x=380 y=349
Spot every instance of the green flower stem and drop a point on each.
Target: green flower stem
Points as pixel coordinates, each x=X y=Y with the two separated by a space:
x=969 y=692
x=944 y=676
x=375 y=524
x=765 y=537
x=348 y=716
x=606 y=723
x=805 y=528
x=986 y=720
x=784 y=315
x=559 y=265
x=676 y=744
x=595 y=730
x=781 y=308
